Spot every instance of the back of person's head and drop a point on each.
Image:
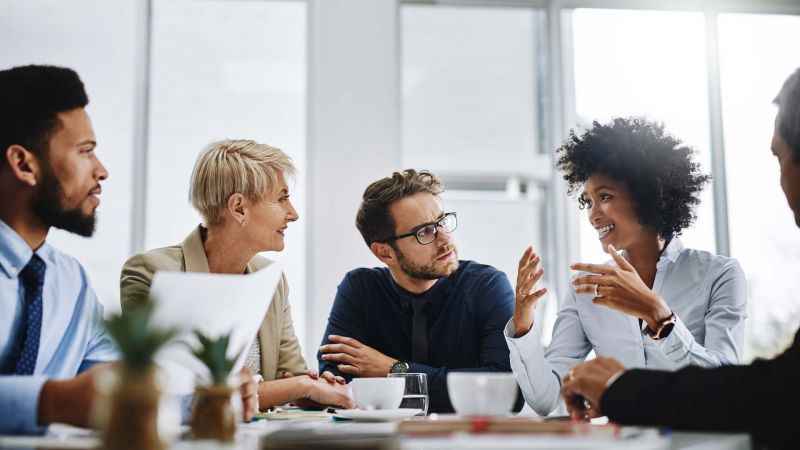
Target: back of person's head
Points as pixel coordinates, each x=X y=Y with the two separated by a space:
x=30 y=99
x=373 y=219
x=788 y=101
x=239 y=166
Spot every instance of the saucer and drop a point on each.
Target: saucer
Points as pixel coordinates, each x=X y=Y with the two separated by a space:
x=378 y=415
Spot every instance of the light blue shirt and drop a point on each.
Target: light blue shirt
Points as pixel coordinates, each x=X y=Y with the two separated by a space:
x=72 y=335
x=707 y=293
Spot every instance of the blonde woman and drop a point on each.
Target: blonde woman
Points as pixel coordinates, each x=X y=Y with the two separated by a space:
x=239 y=188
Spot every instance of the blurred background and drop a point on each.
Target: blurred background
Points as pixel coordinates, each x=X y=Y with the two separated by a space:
x=480 y=92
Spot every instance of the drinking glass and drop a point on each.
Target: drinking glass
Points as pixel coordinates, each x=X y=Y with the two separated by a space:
x=416 y=392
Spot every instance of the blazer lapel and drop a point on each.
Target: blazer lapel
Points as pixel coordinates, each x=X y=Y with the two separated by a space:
x=194 y=256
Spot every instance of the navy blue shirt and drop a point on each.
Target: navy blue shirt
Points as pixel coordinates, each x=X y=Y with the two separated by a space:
x=466 y=314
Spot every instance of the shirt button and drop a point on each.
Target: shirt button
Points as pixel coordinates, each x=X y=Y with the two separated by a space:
x=13 y=270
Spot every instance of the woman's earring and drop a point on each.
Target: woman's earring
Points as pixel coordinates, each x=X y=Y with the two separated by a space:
x=242 y=222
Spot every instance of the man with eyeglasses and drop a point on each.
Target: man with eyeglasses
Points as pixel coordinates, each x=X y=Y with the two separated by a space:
x=426 y=311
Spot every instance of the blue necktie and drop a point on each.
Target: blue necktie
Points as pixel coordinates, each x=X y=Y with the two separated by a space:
x=32 y=278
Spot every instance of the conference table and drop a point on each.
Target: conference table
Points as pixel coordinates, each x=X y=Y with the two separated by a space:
x=259 y=435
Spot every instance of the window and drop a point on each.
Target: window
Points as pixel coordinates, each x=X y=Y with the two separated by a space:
x=225 y=70
x=756 y=56
x=645 y=63
x=470 y=115
x=78 y=35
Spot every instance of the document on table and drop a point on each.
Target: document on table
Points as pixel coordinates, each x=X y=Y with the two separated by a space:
x=214 y=304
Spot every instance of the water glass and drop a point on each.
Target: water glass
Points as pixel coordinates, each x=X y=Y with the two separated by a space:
x=416 y=392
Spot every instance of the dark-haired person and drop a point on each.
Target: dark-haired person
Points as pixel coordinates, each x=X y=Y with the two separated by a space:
x=658 y=305
x=52 y=340
x=50 y=319
x=761 y=398
x=426 y=311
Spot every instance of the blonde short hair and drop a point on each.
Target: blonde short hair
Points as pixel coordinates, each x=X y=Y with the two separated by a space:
x=231 y=166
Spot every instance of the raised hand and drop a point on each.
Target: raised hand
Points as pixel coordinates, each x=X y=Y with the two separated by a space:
x=622 y=289
x=355 y=358
x=528 y=274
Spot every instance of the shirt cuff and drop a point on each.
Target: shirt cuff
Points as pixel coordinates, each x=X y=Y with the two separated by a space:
x=677 y=346
x=19 y=399
x=528 y=340
x=614 y=378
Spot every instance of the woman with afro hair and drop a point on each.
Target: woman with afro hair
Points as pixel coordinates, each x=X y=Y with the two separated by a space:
x=656 y=304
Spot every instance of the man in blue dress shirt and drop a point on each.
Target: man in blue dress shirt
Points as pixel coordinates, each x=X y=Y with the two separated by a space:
x=51 y=330
x=426 y=311
x=51 y=323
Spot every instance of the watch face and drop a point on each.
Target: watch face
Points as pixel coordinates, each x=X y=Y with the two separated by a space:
x=399 y=367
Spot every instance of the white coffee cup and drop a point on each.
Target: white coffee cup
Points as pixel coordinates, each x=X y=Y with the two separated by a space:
x=378 y=393
x=482 y=393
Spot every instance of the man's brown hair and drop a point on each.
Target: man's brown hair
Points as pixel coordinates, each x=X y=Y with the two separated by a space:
x=373 y=219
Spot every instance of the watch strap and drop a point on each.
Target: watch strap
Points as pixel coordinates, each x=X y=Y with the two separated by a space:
x=664 y=328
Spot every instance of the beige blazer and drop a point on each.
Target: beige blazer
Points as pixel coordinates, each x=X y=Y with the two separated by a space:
x=280 y=348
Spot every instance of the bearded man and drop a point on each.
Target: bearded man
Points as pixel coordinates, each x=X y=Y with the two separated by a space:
x=51 y=332
x=426 y=311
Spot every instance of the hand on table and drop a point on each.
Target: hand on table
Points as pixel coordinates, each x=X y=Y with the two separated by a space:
x=583 y=386
x=354 y=358
x=622 y=289
x=528 y=274
x=69 y=401
x=321 y=392
x=327 y=376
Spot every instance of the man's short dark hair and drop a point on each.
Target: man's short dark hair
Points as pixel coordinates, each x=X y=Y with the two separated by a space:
x=664 y=182
x=374 y=220
x=788 y=101
x=30 y=99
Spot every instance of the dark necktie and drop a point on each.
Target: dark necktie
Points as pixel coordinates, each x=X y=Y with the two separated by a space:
x=419 y=331
x=22 y=361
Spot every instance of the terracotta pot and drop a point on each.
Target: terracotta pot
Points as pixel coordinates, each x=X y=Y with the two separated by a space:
x=212 y=413
x=134 y=412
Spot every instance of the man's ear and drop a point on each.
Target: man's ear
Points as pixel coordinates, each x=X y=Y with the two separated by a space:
x=23 y=164
x=383 y=251
x=237 y=205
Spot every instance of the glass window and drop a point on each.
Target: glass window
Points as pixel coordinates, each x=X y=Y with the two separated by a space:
x=469 y=114
x=468 y=89
x=645 y=63
x=221 y=70
x=757 y=54
x=97 y=39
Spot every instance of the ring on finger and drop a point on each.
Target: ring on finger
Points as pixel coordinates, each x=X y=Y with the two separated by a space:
x=519 y=291
x=597 y=290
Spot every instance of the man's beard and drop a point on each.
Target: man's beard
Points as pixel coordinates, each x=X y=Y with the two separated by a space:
x=425 y=271
x=48 y=206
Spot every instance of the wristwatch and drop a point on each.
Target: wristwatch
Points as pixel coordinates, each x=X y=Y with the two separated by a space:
x=663 y=330
x=400 y=367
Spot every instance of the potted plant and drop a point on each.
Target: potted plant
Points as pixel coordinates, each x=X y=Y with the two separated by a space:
x=133 y=416
x=212 y=415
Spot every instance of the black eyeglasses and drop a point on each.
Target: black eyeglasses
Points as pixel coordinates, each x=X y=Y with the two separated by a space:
x=428 y=232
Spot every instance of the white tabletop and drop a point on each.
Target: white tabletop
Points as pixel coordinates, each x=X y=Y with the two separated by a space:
x=249 y=438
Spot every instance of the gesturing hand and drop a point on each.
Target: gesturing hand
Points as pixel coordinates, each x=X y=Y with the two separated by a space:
x=528 y=274
x=355 y=358
x=622 y=289
x=583 y=386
